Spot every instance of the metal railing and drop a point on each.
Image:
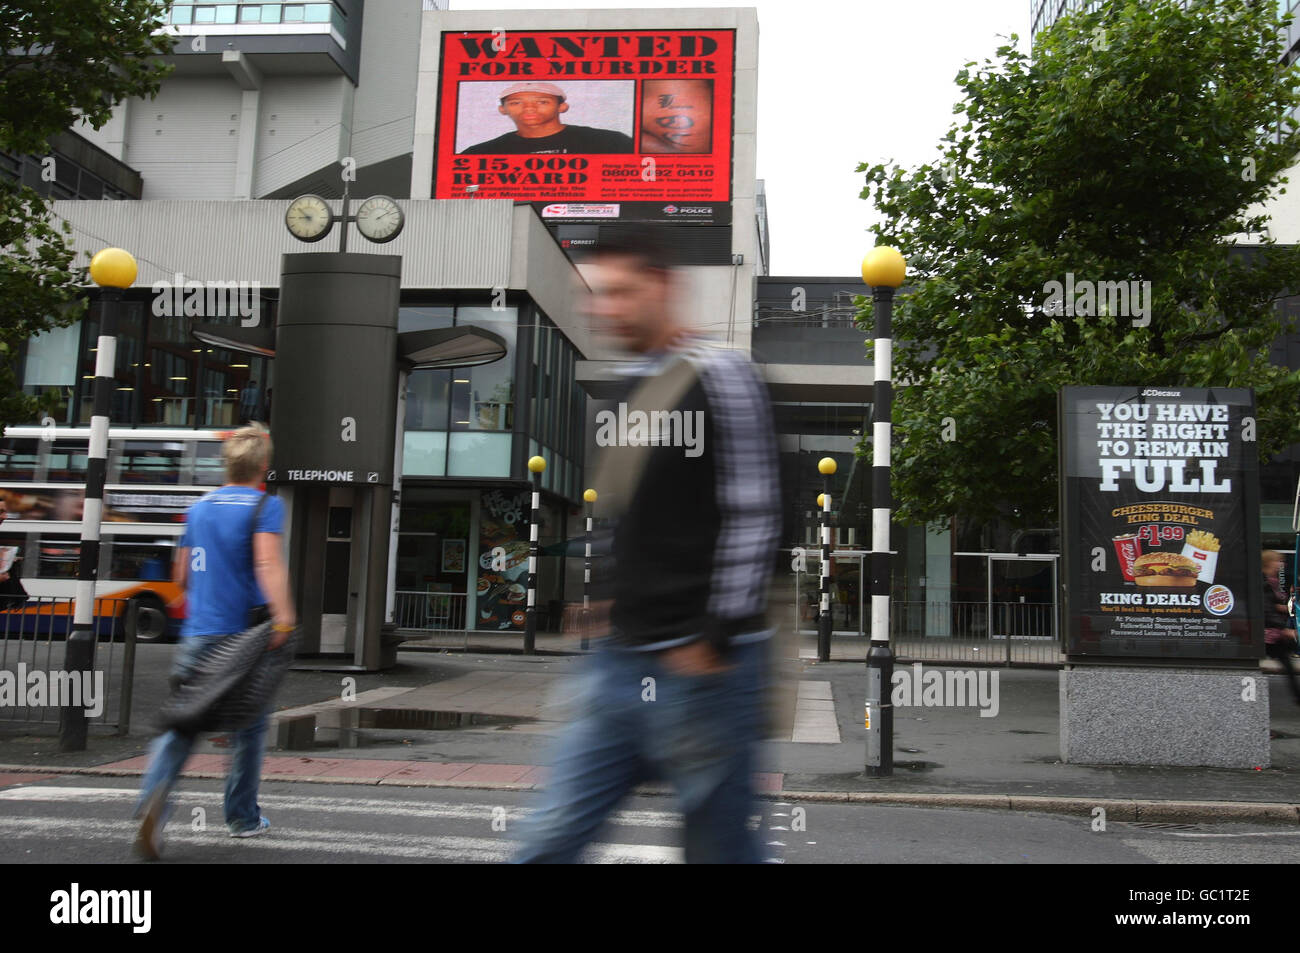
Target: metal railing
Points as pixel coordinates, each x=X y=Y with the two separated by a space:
x=430 y=611
x=943 y=631
x=32 y=636
x=1012 y=624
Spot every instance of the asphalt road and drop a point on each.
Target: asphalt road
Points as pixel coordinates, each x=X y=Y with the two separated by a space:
x=79 y=820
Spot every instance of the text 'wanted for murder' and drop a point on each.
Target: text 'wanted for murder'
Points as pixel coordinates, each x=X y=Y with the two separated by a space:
x=594 y=54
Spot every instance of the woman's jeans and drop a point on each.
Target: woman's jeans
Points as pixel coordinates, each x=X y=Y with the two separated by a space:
x=168 y=753
x=637 y=721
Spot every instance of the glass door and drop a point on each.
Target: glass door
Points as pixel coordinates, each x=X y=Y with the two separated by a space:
x=433 y=563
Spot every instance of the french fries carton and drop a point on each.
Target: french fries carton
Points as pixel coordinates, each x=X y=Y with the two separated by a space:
x=1203 y=547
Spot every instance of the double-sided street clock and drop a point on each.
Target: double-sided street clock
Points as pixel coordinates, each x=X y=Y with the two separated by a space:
x=309 y=218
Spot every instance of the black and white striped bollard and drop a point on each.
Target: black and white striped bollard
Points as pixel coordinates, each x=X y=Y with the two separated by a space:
x=535 y=466
x=590 y=497
x=826 y=467
x=113 y=270
x=884 y=270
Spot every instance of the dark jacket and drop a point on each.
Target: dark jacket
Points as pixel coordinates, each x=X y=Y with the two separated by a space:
x=1273 y=597
x=694 y=541
x=232 y=684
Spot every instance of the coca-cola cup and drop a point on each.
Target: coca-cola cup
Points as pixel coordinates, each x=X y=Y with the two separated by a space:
x=1127 y=549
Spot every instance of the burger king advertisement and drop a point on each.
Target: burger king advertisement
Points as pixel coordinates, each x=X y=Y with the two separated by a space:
x=1160 y=523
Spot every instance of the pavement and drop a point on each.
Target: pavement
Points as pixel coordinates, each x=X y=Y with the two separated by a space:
x=480 y=720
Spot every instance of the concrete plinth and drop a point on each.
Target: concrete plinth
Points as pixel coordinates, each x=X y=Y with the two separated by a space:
x=1164 y=716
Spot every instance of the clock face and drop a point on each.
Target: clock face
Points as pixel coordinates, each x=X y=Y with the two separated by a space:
x=379 y=218
x=309 y=218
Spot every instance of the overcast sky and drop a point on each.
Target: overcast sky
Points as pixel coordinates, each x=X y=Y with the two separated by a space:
x=842 y=82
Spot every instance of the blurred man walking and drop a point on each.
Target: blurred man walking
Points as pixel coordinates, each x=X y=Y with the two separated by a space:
x=689 y=473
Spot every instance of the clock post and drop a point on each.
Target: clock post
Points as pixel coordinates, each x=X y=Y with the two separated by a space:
x=337 y=422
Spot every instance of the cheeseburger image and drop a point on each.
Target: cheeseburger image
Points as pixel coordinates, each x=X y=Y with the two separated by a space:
x=1165 y=569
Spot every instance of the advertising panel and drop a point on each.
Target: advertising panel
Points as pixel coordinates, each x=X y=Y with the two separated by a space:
x=1160 y=522
x=120 y=506
x=503 y=589
x=590 y=125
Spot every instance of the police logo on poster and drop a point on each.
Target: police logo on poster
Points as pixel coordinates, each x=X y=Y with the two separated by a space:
x=1160 y=522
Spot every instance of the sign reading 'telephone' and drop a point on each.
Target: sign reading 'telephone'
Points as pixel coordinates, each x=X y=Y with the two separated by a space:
x=1160 y=522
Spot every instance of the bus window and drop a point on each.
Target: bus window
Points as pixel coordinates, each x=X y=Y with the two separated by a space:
x=59 y=557
x=143 y=561
x=151 y=461
x=68 y=461
x=18 y=459
x=209 y=469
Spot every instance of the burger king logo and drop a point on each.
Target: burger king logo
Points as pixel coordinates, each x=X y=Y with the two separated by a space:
x=1218 y=600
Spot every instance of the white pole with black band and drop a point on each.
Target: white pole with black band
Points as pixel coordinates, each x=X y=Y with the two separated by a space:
x=114 y=270
x=590 y=497
x=884 y=270
x=826 y=466
x=535 y=466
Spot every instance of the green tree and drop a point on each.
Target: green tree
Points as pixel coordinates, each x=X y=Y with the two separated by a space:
x=60 y=61
x=1132 y=144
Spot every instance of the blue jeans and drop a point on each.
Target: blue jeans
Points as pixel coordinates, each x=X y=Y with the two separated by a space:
x=699 y=732
x=168 y=753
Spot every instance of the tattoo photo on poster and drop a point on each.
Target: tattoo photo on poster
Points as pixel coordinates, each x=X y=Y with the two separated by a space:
x=1160 y=522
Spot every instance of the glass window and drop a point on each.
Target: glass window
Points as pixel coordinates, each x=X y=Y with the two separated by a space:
x=270 y=13
x=479 y=455
x=209 y=468
x=483 y=398
x=143 y=561
x=182 y=13
x=67 y=461
x=250 y=13
x=18 y=459
x=423 y=319
x=226 y=13
x=52 y=358
x=150 y=461
x=428 y=399
x=424 y=453
x=125 y=408
x=58 y=557
x=318 y=12
x=205 y=14
x=294 y=12
x=169 y=376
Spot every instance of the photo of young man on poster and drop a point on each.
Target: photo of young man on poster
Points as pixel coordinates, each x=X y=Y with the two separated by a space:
x=536 y=109
x=677 y=116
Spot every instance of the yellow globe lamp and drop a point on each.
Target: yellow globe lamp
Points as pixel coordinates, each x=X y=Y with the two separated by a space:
x=113 y=268
x=826 y=466
x=536 y=464
x=589 y=496
x=884 y=267
x=821 y=500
